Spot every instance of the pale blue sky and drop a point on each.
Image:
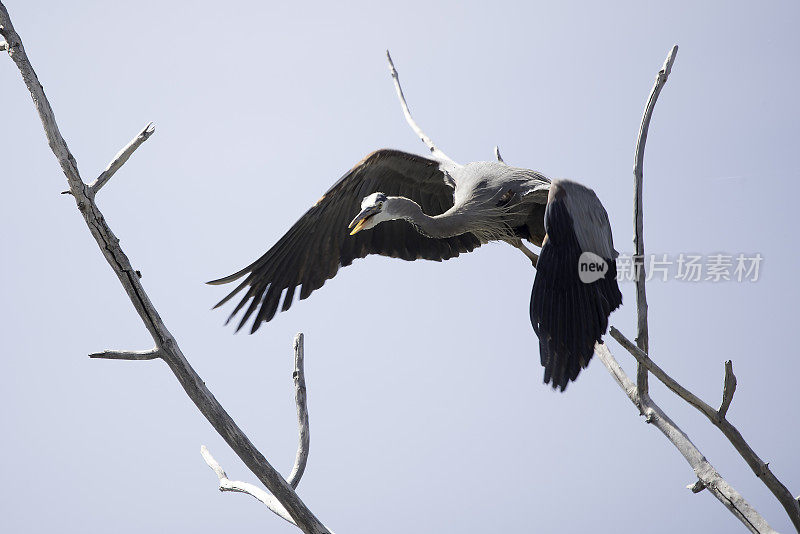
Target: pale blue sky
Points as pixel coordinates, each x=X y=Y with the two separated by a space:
x=427 y=409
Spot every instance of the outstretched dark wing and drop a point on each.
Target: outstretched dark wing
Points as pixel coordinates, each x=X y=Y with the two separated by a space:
x=571 y=300
x=312 y=251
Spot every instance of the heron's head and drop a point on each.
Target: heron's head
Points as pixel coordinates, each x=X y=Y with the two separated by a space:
x=372 y=213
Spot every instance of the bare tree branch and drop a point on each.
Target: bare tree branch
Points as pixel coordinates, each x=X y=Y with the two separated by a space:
x=283 y=500
x=151 y=354
x=225 y=484
x=436 y=153
x=651 y=366
x=708 y=477
x=164 y=340
x=302 y=414
x=271 y=502
x=706 y=474
x=717 y=418
x=121 y=157
x=642 y=335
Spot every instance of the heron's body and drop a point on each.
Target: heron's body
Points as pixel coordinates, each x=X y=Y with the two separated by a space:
x=418 y=208
x=492 y=201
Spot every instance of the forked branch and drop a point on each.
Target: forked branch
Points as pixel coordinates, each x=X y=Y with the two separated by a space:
x=717 y=417
x=708 y=478
x=165 y=344
x=282 y=498
x=225 y=484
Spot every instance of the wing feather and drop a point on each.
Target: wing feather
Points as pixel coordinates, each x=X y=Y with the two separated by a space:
x=318 y=244
x=568 y=315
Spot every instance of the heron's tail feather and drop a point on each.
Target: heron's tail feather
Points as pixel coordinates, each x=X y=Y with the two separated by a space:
x=568 y=315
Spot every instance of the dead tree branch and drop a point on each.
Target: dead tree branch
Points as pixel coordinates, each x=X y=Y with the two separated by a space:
x=707 y=476
x=642 y=335
x=165 y=343
x=299 y=376
x=717 y=417
x=225 y=484
x=132 y=355
x=436 y=153
x=120 y=159
x=282 y=499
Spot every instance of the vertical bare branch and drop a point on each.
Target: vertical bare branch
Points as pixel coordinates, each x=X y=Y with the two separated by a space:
x=642 y=336
x=302 y=413
x=436 y=153
x=707 y=476
x=164 y=341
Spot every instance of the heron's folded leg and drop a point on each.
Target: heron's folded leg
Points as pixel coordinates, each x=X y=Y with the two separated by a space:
x=517 y=243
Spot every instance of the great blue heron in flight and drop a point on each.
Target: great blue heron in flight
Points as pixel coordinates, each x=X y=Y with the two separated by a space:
x=406 y=206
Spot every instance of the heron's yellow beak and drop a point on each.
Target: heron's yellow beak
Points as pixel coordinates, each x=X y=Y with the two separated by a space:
x=358 y=227
x=361 y=219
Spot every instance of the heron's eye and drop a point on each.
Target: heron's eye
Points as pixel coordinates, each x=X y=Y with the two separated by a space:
x=380 y=205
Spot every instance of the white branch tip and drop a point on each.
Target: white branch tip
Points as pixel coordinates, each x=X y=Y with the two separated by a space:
x=667 y=68
x=122 y=157
x=225 y=484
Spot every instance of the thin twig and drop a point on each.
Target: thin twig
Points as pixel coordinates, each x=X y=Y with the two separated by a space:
x=121 y=157
x=697 y=487
x=225 y=484
x=497 y=154
x=436 y=153
x=706 y=474
x=728 y=389
x=642 y=335
x=164 y=340
x=151 y=354
x=757 y=465
x=302 y=414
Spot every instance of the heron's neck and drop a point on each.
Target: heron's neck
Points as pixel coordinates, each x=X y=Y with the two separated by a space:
x=448 y=224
